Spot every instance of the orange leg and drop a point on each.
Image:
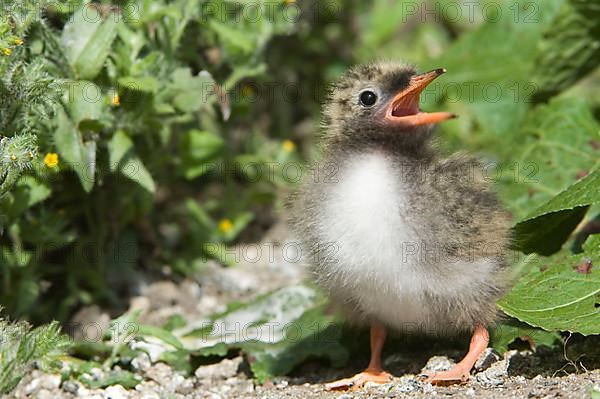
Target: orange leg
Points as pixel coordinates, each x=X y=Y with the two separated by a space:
x=462 y=370
x=374 y=372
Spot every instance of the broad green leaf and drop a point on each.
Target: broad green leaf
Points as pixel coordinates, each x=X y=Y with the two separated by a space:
x=134 y=169
x=553 y=148
x=87 y=39
x=235 y=38
x=561 y=292
x=80 y=156
x=548 y=227
x=85 y=105
x=123 y=158
x=506 y=333
x=277 y=332
x=118 y=146
x=197 y=150
x=37 y=191
x=190 y=93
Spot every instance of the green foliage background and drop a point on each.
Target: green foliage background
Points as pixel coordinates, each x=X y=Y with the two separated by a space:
x=158 y=111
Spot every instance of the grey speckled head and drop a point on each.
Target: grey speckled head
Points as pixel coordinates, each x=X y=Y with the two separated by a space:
x=379 y=102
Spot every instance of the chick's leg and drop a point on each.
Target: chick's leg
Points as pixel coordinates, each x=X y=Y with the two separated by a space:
x=374 y=372
x=462 y=370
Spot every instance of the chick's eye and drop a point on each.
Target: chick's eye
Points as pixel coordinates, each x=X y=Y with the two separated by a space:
x=368 y=98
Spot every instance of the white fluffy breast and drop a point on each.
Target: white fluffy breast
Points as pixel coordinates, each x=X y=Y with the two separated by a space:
x=367 y=224
x=361 y=217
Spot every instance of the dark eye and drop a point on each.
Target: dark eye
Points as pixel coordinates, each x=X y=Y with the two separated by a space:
x=368 y=98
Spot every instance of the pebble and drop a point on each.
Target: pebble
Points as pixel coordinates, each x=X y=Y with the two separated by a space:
x=486 y=359
x=115 y=392
x=222 y=370
x=438 y=363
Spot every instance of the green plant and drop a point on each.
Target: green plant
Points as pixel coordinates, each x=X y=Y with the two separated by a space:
x=21 y=346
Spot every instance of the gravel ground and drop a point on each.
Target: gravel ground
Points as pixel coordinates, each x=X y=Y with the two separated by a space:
x=517 y=374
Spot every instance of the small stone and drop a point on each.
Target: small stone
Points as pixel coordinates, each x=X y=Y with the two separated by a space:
x=408 y=384
x=115 y=392
x=71 y=386
x=222 y=370
x=141 y=362
x=486 y=359
x=438 y=363
x=42 y=381
x=161 y=373
x=45 y=394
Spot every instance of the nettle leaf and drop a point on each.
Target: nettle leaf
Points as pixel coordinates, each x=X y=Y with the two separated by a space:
x=276 y=332
x=561 y=292
x=553 y=149
x=87 y=38
x=79 y=155
x=546 y=229
x=569 y=50
x=123 y=158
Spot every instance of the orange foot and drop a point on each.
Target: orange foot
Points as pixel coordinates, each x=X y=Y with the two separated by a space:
x=456 y=375
x=360 y=379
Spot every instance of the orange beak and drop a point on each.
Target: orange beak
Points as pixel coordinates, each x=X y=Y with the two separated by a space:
x=404 y=107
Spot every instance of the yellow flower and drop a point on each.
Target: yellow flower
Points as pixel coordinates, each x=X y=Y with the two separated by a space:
x=247 y=91
x=288 y=145
x=6 y=51
x=116 y=100
x=18 y=42
x=13 y=157
x=225 y=226
x=51 y=159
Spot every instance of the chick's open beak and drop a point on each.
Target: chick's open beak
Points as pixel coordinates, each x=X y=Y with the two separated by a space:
x=404 y=107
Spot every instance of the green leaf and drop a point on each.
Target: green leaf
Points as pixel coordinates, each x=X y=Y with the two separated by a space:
x=197 y=149
x=80 y=156
x=548 y=227
x=569 y=50
x=160 y=333
x=506 y=333
x=235 y=38
x=146 y=84
x=489 y=86
x=277 y=332
x=87 y=39
x=85 y=105
x=123 y=159
x=118 y=146
x=551 y=151
x=561 y=292
x=36 y=190
x=190 y=93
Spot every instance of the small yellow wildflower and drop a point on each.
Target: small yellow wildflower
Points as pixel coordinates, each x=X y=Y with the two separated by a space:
x=288 y=145
x=6 y=51
x=116 y=100
x=18 y=42
x=247 y=91
x=51 y=159
x=225 y=226
x=13 y=157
